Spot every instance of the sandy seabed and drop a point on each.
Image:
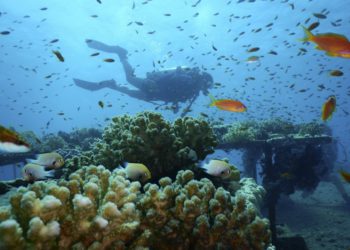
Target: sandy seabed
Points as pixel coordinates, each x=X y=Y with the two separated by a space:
x=322 y=218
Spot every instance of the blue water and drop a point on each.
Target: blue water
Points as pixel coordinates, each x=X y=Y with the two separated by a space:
x=29 y=100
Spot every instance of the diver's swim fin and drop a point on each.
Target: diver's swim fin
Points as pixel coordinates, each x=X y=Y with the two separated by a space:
x=122 y=53
x=94 y=86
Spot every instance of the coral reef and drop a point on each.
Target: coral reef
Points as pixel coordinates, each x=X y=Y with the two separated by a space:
x=78 y=138
x=83 y=137
x=147 y=138
x=313 y=129
x=241 y=134
x=99 y=209
x=51 y=142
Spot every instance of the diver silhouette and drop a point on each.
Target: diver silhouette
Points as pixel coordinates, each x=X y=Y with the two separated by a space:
x=172 y=86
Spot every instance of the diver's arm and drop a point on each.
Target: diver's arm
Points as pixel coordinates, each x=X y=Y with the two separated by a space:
x=142 y=84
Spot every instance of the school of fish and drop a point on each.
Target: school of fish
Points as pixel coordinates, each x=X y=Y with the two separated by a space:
x=252 y=89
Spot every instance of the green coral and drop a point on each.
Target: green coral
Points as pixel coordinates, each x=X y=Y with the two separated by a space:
x=312 y=128
x=274 y=126
x=241 y=134
x=51 y=142
x=82 y=137
x=79 y=139
x=149 y=139
x=97 y=209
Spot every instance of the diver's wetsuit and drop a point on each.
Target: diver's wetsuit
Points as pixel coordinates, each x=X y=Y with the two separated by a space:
x=171 y=86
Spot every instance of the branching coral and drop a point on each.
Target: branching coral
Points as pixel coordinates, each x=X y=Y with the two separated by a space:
x=93 y=209
x=195 y=215
x=97 y=209
x=149 y=139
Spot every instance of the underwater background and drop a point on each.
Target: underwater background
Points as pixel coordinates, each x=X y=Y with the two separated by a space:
x=290 y=79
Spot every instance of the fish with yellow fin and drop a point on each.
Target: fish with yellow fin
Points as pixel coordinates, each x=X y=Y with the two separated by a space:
x=137 y=172
x=227 y=104
x=328 y=108
x=51 y=160
x=217 y=168
x=10 y=142
x=334 y=44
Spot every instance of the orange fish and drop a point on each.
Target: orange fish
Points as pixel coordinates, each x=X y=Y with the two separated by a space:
x=345 y=175
x=328 y=108
x=228 y=105
x=11 y=142
x=333 y=44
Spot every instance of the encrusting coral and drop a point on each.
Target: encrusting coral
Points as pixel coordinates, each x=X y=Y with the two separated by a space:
x=99 y=209
x=242 y=134
x=149 y=139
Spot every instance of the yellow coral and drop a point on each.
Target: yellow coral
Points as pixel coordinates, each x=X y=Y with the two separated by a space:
x=99 y=209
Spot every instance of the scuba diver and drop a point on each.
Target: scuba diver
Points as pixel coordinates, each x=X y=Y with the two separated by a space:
x=170 y=86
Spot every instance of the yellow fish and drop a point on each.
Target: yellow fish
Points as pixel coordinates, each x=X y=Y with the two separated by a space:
x=48 y=160
x=137 y=172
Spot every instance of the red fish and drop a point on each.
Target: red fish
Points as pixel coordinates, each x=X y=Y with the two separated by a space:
x=228 y=105
x=328 y=108
x=333 y=44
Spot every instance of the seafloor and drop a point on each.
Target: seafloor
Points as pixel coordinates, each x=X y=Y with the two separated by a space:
x=323 y=218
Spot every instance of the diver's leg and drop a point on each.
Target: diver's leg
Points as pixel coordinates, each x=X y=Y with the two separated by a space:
x=94 y=86
x=139 y=83
x=122 y=53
